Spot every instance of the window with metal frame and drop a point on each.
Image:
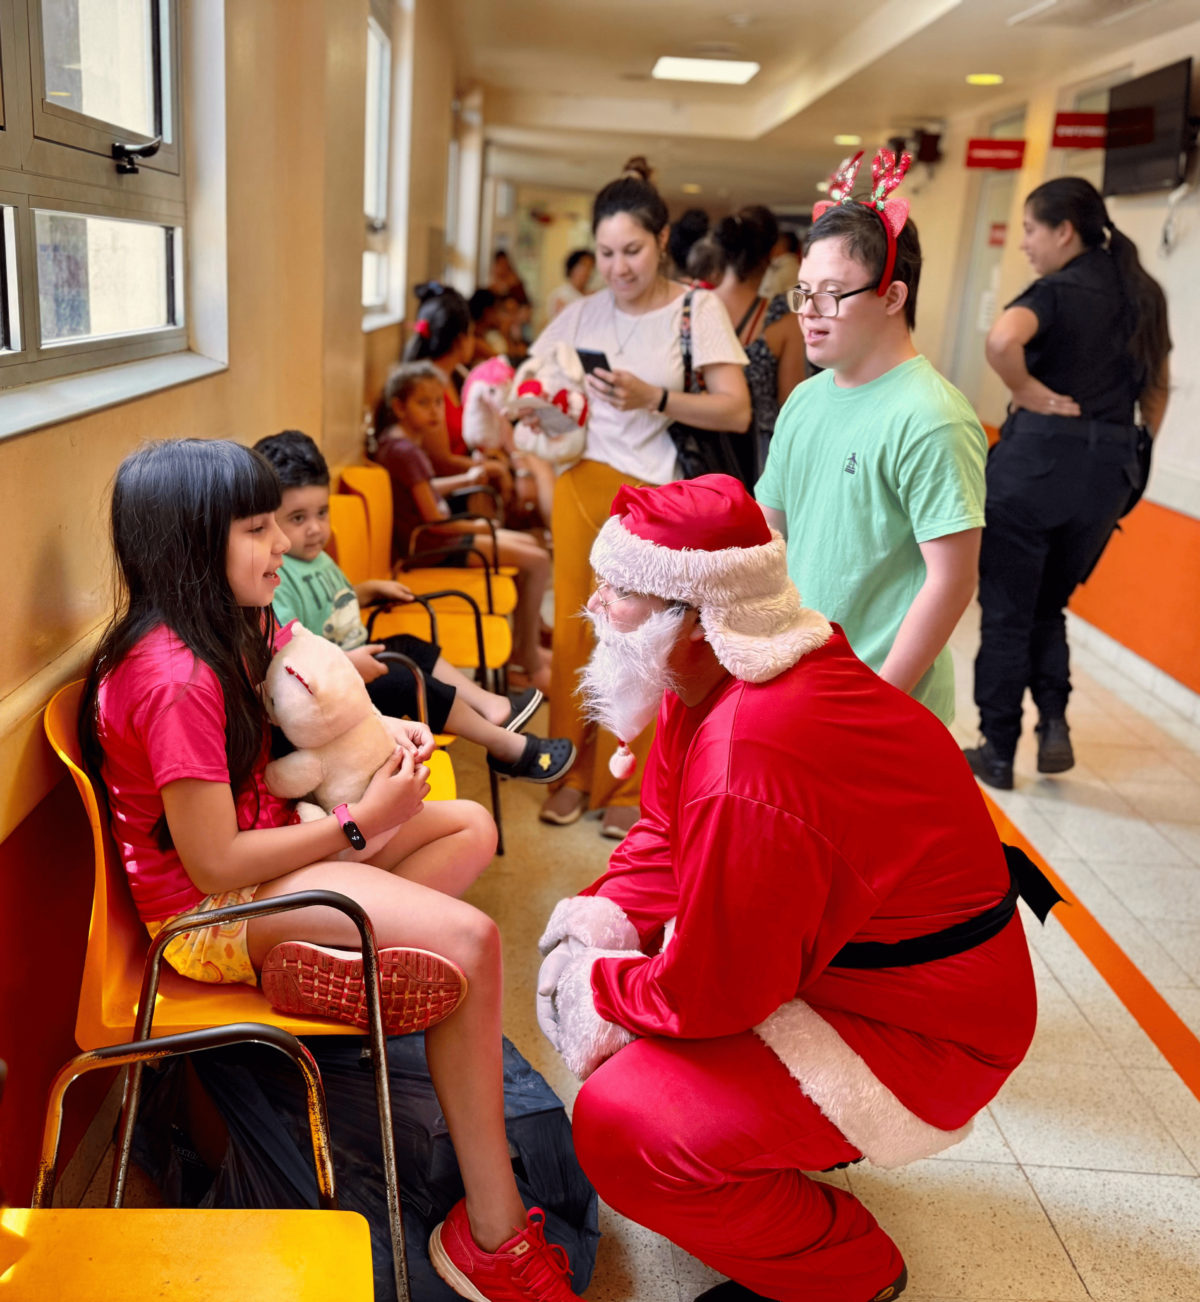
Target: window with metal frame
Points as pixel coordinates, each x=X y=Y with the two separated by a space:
x=91 y=186
x=376 y=172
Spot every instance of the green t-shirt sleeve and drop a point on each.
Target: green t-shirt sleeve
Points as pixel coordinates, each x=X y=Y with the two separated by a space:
x=940 y=480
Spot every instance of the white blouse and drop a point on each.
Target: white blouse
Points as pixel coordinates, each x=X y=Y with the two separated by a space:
x=636 y=442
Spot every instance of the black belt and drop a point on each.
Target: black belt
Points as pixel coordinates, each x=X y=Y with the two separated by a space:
x=1077 y=427
x=1027 y=881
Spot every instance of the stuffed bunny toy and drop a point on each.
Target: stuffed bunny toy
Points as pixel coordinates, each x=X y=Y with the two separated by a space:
x=485 y=399
x=315 y=694
x=550 y=388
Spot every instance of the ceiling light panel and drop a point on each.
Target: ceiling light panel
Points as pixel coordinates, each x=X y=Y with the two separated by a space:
x=728 y=72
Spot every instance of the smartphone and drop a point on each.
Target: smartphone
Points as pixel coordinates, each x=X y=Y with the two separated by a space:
x=591 y=360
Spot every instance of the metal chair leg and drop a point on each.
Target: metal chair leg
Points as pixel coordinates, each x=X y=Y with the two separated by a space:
x=171 y=1046
x=370 y=952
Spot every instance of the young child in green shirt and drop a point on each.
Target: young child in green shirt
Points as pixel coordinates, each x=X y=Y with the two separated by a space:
x=314 y=590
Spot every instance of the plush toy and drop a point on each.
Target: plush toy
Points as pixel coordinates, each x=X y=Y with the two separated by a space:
x=550 y=388
x=485 y=400
x=315 y=694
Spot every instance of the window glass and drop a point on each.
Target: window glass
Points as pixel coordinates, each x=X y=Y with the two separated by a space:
x=100 y=58
x=10 y=314
x=375 y=178
x=98 y=276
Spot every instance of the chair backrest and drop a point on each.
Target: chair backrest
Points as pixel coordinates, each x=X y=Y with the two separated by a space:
x=349 y=545
x=374 y=485
x=117 y=941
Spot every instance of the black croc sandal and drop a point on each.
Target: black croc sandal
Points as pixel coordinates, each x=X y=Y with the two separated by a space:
x=523 y=707
x=543 y=760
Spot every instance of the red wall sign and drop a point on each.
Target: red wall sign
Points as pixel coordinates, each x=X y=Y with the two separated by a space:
x=997 y=234
x=1004 y=155
x=1080 y=131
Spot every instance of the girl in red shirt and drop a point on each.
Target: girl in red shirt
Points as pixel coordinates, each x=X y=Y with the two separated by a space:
x=173 y=722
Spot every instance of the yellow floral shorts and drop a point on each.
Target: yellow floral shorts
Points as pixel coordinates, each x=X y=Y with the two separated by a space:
x=217 y=954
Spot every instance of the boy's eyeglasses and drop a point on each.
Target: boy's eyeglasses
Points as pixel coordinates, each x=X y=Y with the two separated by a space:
x=825 y=302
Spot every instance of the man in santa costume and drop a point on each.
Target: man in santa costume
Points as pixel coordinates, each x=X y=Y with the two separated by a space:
x=806 y=952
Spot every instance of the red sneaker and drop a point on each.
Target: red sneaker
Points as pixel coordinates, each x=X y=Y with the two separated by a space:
x=525 y=1269
x=419 y=988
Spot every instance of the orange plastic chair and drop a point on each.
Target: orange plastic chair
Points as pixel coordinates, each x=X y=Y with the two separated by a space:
x=468 y=637
x=492 y=586
x=126 y=1255
x=128 y=994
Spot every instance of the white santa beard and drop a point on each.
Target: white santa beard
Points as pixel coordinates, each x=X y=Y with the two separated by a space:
x=623 y=683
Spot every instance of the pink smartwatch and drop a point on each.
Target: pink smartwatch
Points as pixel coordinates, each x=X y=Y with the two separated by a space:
x=350 y=827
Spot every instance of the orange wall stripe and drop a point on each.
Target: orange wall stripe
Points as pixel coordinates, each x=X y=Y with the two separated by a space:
x=1146 y=590
x=1153 y=1014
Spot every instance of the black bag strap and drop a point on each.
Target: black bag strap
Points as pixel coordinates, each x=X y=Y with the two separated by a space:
x=1026 y=880
x=692 y=382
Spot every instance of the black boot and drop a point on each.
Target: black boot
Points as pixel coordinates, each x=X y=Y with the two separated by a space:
x=731 y=1292
x=990 y=767
x=1055 y=754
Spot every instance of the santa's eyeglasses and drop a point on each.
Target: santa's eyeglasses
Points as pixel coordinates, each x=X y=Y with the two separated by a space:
x=614 y=594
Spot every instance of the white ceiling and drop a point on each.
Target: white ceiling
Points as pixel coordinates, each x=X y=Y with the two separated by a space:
x=568 y=97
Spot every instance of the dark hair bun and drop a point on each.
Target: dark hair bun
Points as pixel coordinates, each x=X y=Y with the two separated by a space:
x=428 y=289
x=638 y=166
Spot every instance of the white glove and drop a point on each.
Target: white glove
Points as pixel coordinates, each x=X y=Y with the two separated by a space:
x=580 y=1034
x=548 y=976
x=592 y=919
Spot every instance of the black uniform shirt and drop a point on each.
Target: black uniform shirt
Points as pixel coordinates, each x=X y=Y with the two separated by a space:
x=1082 y=343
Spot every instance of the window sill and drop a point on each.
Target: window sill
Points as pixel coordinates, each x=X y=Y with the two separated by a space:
x=51 y=402
x=380 y=321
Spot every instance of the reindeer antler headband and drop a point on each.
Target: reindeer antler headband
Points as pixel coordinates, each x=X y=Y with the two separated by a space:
x=886 y=174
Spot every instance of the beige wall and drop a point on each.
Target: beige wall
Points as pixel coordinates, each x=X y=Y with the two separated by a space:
x=294 y=192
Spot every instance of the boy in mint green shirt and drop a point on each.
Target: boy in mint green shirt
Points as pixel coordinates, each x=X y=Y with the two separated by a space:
x=875 y=473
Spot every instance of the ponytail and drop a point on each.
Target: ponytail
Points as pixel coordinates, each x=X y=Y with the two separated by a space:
x=1151 y=339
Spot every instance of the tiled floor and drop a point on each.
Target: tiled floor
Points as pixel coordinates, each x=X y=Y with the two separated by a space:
x=1082 y=1180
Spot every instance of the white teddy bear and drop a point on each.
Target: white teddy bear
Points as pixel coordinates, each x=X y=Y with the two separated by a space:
x=315 y=694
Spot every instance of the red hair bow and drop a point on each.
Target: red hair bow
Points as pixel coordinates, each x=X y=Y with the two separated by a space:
x=421 y=327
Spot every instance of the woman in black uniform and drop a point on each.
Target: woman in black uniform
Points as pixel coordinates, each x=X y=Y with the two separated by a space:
x=1079 y=349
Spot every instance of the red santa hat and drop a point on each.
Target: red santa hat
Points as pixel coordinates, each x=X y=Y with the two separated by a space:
x=706 y=542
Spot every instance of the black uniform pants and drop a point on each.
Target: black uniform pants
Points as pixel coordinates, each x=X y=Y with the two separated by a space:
x=1055 y=490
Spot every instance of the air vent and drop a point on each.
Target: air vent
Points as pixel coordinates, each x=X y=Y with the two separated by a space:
x=1079 y=13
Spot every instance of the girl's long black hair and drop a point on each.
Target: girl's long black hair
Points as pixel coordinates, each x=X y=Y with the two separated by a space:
x=1072 y=199
x=442 y=319
x=172 y=505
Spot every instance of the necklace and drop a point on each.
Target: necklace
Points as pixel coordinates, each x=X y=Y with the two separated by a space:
x=622 y=344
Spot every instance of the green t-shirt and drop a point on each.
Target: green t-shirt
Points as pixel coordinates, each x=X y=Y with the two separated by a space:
x=319 y=595
x=864 y=475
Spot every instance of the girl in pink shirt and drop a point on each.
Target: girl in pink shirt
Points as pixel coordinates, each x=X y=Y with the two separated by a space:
x=173 y=722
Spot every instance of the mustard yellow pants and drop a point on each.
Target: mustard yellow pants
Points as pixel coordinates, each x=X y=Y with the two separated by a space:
x=582 y=498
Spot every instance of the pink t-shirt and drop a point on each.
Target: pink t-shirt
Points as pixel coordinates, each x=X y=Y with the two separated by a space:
x=160 y=718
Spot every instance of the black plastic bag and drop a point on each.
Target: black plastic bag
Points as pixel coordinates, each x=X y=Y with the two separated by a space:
x=268 y=1162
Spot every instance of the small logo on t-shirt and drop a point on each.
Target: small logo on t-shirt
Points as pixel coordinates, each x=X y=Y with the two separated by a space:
x=851 y=466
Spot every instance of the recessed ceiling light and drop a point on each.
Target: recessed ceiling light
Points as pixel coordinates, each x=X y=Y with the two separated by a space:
x=690 y=187
x=847 y=140
x=732 y=72
x=823 y=186
x=984 y=79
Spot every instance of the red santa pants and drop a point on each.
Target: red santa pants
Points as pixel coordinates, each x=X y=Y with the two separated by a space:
x=705 y=1142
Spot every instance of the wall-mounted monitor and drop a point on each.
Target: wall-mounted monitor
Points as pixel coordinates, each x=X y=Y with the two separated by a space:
x=1149 y=131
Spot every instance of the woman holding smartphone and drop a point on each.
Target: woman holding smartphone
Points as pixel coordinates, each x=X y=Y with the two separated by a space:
x=635 y=323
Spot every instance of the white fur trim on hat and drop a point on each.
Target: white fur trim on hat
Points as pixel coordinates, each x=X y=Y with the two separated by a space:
x=592 y=919
x=749 y=609
x=846 y=1090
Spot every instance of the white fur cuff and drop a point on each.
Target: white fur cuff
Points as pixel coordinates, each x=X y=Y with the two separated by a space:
x=585 y=1039
x=841 y=1084
x=591 y=919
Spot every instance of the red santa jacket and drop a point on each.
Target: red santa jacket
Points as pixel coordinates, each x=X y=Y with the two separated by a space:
x=781 y=820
